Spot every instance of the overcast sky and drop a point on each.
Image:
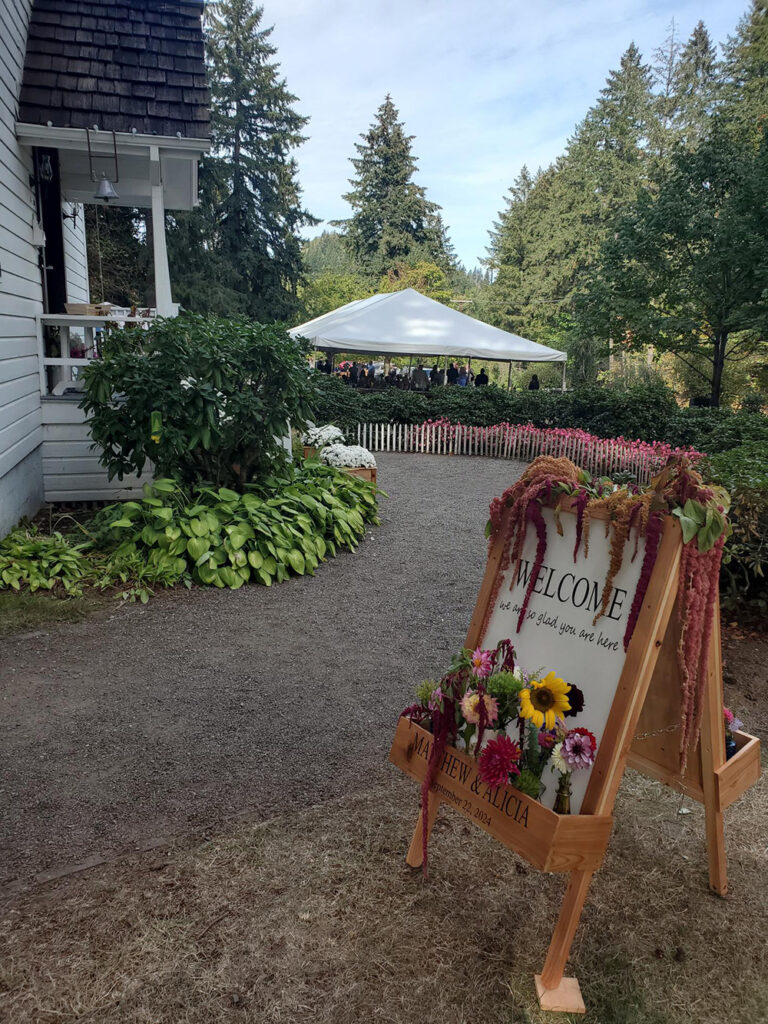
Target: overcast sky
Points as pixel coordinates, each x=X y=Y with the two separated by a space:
x=484 y=85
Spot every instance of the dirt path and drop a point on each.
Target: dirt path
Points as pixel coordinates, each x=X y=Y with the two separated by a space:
x=208 y=704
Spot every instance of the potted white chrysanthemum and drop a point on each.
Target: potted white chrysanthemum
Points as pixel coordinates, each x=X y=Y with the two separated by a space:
x=353 y=458
x=315 y=438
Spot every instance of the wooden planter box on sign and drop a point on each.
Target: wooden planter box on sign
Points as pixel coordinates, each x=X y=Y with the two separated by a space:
x=548 y=841
x=739 y=773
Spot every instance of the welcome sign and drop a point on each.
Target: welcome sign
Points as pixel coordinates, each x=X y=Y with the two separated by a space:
x=559 y=633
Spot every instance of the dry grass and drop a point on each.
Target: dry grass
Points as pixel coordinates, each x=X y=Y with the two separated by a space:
x=315 y=918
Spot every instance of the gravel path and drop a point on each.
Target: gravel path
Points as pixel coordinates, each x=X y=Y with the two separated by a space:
x=206 y=704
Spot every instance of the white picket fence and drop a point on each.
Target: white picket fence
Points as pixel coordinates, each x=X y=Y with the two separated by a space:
x=523 y=442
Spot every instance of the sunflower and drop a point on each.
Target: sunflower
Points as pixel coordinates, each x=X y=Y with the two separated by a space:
x=544 y=701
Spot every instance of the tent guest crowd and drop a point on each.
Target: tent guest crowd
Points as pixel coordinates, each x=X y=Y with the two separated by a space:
x=369 y=375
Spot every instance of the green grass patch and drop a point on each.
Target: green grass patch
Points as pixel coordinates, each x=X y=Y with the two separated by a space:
x=25 y=612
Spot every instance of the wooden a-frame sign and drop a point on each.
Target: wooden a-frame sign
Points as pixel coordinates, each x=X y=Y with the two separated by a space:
x=641 y=729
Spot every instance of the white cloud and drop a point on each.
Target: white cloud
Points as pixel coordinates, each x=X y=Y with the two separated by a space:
x=484 y=87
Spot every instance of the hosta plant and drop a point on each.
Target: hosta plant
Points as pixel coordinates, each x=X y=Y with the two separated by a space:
x=222 y=538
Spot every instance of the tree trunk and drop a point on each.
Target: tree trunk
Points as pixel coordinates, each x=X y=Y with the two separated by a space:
x=721 y=340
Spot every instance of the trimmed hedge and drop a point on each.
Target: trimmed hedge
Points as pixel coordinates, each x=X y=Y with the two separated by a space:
x=744 y=576
x=643 y=412
x=637 y=413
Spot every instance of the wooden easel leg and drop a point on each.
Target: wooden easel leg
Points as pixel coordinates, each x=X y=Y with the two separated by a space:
x=414 y=857
x=712 y=747
x=554 y=991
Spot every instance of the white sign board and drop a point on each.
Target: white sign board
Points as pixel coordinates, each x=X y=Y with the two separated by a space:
x=558 y=634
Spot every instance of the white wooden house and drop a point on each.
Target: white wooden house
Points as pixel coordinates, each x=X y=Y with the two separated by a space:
x=95 y=98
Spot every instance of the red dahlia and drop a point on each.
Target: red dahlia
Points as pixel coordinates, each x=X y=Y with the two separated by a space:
x=498 y=760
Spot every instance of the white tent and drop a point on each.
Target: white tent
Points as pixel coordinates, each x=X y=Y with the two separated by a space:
x=409 y=323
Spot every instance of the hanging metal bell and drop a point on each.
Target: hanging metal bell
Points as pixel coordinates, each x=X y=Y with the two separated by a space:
x=106 y=190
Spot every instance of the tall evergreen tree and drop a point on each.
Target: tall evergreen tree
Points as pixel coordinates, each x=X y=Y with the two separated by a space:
x=119 y=262
x=666 y=59
x=745 y=70
x=247 y=236
x=392 y=219
x=696 y=87
x=686 y=81
x=569 y=210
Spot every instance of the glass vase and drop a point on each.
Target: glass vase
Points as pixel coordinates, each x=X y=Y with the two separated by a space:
x=563 y=797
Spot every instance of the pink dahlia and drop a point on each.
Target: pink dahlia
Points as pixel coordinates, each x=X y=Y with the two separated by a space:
x=470 y=707
x=547 y=739
x=579 y=748
x=498 y=760
x=482 y=663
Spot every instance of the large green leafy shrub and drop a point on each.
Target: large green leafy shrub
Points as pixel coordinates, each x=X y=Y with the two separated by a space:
x=205 y=399
x=744 y=576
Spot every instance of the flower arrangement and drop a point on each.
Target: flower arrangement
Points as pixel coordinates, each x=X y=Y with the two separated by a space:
x=512 y=721
x=347 y=456
x=678 y=491
x=318 y=437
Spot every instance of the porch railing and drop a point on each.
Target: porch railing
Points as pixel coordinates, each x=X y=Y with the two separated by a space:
x=79 y=339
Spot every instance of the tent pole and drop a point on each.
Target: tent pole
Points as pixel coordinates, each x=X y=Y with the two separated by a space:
x=563 y=387
x=445 y=378
x=509 y=376
x=410 y=360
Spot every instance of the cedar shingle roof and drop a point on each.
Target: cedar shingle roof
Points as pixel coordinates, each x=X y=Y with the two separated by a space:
x=120 y=64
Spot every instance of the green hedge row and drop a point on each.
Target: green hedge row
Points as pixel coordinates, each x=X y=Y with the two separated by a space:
x=644 y=412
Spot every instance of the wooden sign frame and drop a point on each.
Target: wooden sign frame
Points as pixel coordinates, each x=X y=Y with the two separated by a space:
x=647 y=699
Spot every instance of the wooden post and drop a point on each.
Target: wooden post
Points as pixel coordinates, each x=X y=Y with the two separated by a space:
x=415 y=856
x=164 y=303
x=712 y=747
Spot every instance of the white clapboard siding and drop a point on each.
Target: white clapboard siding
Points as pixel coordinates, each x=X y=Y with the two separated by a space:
x=71 y=468
x=21 y=293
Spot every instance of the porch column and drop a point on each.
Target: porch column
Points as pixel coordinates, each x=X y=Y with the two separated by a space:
x=165 y=304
